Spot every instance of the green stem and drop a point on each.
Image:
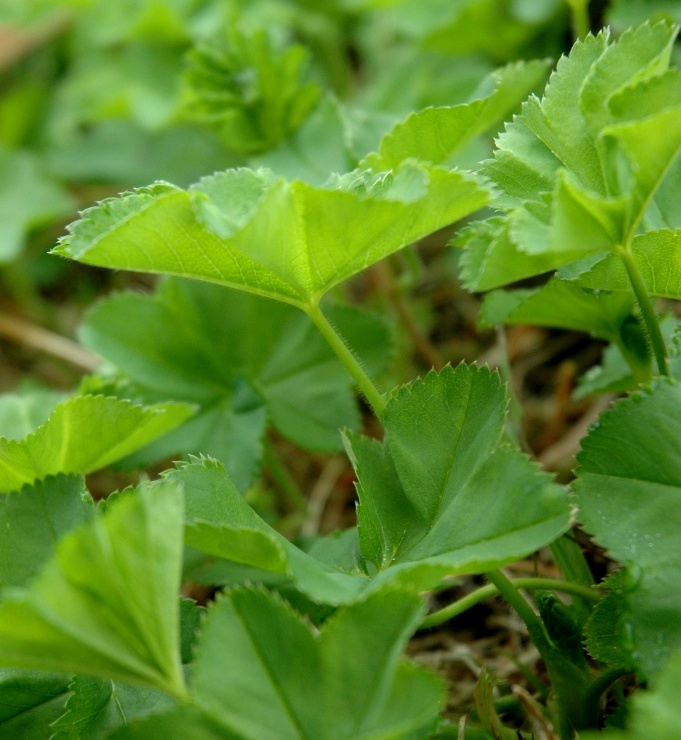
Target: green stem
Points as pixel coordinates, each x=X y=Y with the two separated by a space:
x=345 y=355
x=485 y=592
x=283 y=479
x=648 y=315
x=580 y=18
x=533 y=623
x=600 y=685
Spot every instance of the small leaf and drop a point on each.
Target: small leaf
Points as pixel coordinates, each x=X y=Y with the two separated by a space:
x=84 y=434
x=107 y=603
x=628 y=488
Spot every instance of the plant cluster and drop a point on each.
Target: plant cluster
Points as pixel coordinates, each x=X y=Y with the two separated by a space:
x=336 y=141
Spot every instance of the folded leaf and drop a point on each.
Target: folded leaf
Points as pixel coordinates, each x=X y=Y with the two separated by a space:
x=84 y=434
x=628 y=488
x=442 y=494
x=107 y=603
x=284 y=240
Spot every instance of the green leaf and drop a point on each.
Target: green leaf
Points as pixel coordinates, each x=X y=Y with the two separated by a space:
x=97 y=707
x=657 y=255
x=580 y=171
x=29 y=198
x=443 y=494
x=107 y=603
x=605 y=632
x=351 y=667
x=434 y=135
x=32 y=521
x=84 y=434
x=195 y=342
x=30 y=702
x=253 y=94
x=628 y=488
x=221 y=523
x=559 y=304
x=285 y=240
x=21 y=414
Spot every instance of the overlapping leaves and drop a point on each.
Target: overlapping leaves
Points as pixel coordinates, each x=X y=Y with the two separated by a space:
x=195 y=342
x=588 y=169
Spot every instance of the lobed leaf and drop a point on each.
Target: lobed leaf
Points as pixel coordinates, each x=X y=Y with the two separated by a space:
x=442 y=494
x=628 y=486
x=107 y=603
x=284 y=240
x=83 y=434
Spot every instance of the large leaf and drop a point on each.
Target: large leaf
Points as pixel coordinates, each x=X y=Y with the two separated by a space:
x=579 y=171
x=32 y=521
x=107 y=603
x=628 y=491
x=285 y=240
x=284 y=681
x=443 y=494
x=196 y=342
x=84 y=434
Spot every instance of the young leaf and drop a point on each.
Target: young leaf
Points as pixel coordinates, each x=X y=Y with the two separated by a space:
x=284 y=240
x=443 y=493
x=29 y=703
x=284 y=681
x=107 y=603
x=21 y=414
x=33 y=519
x=628 y=488
x=579 y=170
x=434 y=135
x=84 y=434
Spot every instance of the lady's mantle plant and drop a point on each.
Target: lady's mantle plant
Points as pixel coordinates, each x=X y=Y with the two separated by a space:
x=306 y=643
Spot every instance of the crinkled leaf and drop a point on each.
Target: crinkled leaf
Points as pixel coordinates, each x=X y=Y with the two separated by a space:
x=107 y=603
x=221 y=523
x=628 y=488
x=559 y=304
x=580 y=171
x=33 y=519
x=347 y=679
x=29 y=703
x=442 y=493
x=434 y=135
x=285 y=240
x=96 y=707
x=84 y=434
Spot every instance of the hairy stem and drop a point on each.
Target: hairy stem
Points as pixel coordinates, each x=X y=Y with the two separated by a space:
x=648 y=316
x=486 y=592
x=345 y=355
